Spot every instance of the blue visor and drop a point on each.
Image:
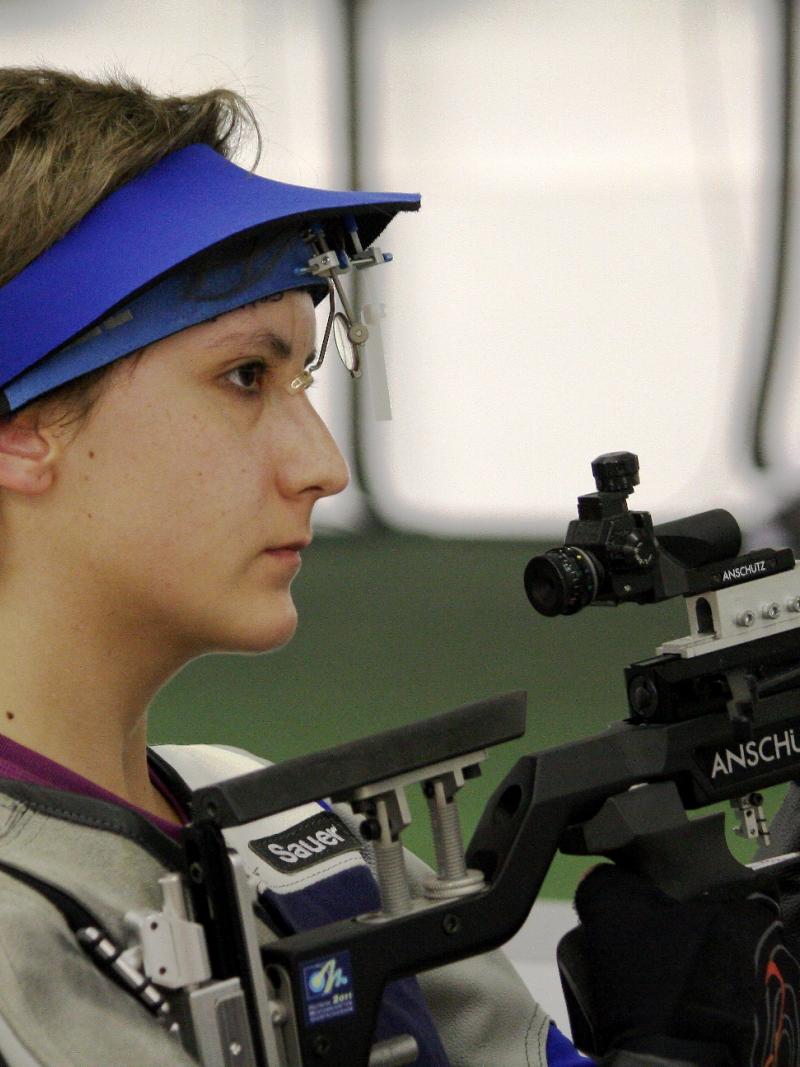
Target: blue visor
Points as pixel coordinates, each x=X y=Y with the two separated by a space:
x=106 y=288
x=185 y=297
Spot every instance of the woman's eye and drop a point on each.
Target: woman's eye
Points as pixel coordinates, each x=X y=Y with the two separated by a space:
x=249 y=377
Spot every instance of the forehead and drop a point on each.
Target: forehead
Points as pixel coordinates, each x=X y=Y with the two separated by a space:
x=279 y=325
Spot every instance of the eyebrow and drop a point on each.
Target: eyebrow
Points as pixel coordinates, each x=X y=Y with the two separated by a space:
x=246 y=341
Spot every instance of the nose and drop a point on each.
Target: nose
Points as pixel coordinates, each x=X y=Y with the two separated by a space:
x=313 y=466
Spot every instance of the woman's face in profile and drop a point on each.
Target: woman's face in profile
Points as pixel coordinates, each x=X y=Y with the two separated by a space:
x=185 y=496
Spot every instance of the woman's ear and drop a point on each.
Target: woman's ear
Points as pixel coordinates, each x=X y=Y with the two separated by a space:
x=27 y=456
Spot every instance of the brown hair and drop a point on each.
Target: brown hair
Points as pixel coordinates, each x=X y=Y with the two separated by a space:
x=66 y=142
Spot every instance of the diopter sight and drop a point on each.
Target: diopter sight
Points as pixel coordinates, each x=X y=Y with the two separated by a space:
x=612 y=555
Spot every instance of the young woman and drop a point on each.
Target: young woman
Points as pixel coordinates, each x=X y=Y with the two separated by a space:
x=159 y=464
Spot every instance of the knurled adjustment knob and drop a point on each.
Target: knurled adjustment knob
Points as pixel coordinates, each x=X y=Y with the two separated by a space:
x=616 y=472
x=632 y=548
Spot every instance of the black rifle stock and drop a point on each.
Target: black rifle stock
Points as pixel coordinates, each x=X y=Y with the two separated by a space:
x=622 y=793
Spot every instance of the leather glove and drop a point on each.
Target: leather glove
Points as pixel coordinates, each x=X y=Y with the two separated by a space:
x=707 y=982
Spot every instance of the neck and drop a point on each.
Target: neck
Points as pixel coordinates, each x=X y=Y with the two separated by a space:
x=76 y=686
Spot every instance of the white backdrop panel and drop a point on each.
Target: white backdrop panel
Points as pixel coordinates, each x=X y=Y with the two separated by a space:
x=598 y=188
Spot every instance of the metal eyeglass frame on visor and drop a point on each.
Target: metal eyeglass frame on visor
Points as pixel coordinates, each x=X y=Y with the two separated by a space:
x=349 y=334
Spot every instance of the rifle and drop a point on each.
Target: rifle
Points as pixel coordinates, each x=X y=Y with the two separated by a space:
x=713 y=716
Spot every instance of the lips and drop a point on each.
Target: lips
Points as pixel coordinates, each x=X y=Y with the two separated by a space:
x=290 y=546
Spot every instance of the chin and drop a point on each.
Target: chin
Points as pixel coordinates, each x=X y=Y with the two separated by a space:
x=244 y=624
x=270 y=635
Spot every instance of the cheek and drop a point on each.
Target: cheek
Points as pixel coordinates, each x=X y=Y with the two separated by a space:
x=172 y=495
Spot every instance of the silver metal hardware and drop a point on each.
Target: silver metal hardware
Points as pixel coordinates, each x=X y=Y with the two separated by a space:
x=370 y=257
x=325 y=264
x=209 y=1017
x=729 y=616
x=271 y=1036
x=366 y=257
x=278 y=1012
x=351 y=333
x=752 y=818
x=387 y=816
x=771 y=861
x=173 y=949
x=284 y=1014
x=453 y=879
x=394 y=1052
x=357 y=332
x=215 y=1026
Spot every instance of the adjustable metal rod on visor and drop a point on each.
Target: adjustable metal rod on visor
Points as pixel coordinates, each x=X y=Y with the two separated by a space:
x=349 y=334
x=348 y=339
x=349 y=351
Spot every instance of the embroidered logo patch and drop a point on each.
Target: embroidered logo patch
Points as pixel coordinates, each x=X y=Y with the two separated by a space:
x=309 y=842
x=328 y=988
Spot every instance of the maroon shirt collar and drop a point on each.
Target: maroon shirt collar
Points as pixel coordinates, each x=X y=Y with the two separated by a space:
x=23 y=764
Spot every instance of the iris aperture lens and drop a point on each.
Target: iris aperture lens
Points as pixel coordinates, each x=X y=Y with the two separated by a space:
x=562 y=581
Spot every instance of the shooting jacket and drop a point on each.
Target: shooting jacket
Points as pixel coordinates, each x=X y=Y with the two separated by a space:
x=58 y=1009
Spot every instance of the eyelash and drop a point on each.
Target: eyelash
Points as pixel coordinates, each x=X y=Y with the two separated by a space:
x=257 y=365
x=263 y=370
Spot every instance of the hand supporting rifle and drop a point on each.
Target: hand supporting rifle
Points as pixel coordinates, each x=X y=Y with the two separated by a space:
x=706 y=982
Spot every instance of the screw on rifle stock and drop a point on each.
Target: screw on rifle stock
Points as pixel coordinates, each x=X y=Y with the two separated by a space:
x=321 y=1045
x=451 y=924
x=370 y=830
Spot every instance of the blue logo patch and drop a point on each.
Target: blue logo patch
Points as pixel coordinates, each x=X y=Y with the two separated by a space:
x=328 y=988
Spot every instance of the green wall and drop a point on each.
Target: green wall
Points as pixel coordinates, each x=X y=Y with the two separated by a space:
x=394 y=628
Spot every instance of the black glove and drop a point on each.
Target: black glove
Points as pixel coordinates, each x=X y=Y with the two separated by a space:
x=708 y=982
